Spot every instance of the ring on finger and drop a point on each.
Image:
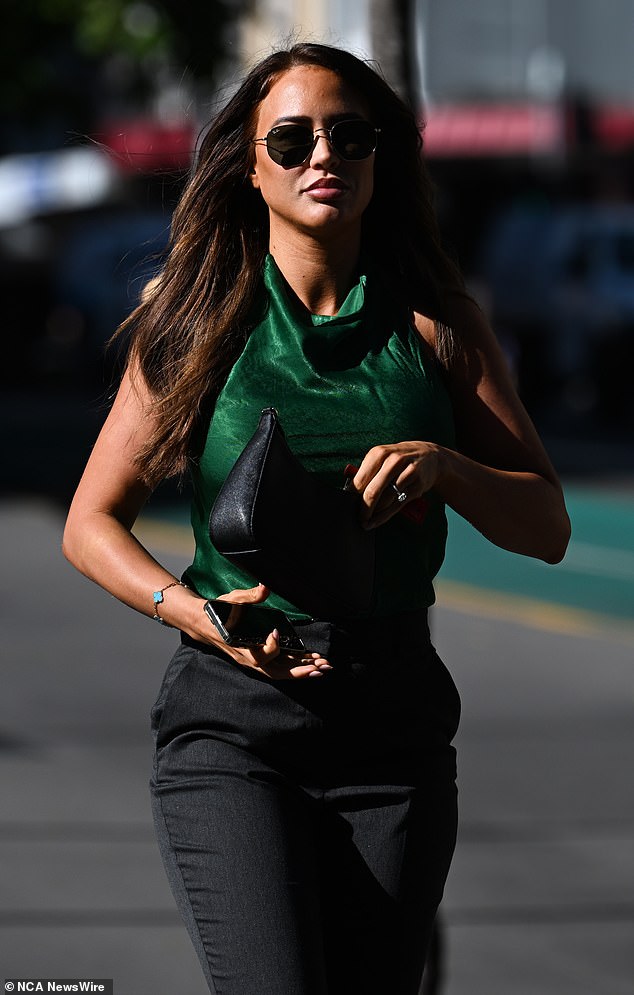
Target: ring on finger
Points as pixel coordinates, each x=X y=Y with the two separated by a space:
x=400 y=495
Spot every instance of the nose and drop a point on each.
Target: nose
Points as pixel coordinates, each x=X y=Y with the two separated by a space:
x=323 y=149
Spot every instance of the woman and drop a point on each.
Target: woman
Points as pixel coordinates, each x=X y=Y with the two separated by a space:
x=306 y=805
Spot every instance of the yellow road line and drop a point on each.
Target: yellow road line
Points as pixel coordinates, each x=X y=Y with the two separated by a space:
x=536 y=614
x=165 y=536
x=496 y=605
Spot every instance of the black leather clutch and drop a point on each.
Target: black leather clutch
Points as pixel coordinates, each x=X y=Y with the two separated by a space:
x=290 y=531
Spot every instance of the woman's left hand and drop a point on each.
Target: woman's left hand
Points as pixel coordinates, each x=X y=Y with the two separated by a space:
x=498 y=476
x=389 y=471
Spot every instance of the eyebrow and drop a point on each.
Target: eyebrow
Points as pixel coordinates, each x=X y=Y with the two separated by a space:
x=333 y=119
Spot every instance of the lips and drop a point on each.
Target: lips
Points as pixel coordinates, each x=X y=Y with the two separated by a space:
x=327 y=190
x=327 y=183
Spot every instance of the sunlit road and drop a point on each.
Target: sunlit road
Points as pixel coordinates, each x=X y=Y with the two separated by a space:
x=539 y=900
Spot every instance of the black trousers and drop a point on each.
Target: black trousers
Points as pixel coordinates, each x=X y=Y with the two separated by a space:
x=307 y=826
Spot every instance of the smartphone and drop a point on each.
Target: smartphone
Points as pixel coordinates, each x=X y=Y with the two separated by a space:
x=250 y=625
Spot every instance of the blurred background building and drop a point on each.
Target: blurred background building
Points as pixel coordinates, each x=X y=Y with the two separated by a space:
x=528 y=109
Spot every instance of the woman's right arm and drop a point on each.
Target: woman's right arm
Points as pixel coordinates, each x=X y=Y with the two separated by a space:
x=98 y=537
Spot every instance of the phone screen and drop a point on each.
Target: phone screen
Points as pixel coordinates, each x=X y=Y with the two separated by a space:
x=250 y=625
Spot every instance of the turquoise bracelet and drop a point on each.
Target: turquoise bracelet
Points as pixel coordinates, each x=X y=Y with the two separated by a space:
x=158 y=597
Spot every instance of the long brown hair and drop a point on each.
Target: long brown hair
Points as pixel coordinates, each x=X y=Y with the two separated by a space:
x=190 y=328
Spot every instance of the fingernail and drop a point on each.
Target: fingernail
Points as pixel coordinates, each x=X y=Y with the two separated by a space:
x=315 y=673
x=324 y=666
x=276 y=633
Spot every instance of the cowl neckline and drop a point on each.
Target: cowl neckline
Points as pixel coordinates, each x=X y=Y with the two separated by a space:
x=284 y=301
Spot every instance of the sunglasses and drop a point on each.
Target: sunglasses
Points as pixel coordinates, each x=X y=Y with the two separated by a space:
x=291 y=144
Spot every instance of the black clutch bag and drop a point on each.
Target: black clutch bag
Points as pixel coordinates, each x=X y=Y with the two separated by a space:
x=292 y=532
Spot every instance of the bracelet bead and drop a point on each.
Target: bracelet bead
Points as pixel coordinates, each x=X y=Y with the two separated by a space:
x=158 y=597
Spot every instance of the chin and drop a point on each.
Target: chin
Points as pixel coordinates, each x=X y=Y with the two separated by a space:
x=333 y=216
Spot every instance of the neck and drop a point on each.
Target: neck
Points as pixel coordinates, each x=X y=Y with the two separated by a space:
x=319 y=272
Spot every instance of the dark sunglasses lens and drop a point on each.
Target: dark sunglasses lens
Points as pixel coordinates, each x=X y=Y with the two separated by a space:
x=289 y=144
x=354 y=140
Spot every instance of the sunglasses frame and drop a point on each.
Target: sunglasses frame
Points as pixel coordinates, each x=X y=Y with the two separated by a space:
x=316 y=135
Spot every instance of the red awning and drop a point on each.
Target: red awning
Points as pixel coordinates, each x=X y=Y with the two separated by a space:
x=492 y=130
x=614 y=127
x=141 y=146
x=521 y=129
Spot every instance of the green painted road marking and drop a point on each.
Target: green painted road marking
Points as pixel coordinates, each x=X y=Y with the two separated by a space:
x=596 y=575
x=604 y=561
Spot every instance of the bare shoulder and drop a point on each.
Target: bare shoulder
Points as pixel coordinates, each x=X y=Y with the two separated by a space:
x=472 y=334
x=426 y=328
x=476 y=364
x=492 y=424
x=111 y=479
x=132 y=411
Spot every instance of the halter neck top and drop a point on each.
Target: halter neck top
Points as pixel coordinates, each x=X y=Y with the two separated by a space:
x=341 y=384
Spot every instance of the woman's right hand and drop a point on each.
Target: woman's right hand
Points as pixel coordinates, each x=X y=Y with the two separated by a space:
x=98 y=541
x=269 y=659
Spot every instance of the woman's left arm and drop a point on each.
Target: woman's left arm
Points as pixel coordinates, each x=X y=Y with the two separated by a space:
x=499 y=477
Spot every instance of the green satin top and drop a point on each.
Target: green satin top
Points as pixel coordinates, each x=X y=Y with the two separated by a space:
x=341 y=385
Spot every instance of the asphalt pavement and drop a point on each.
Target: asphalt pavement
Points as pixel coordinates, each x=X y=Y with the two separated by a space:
x=539 y=899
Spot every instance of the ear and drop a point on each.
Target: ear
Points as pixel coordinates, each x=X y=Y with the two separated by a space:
x=253 y=176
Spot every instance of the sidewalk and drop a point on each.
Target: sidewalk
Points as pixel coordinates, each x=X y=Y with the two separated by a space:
x=539 y=900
